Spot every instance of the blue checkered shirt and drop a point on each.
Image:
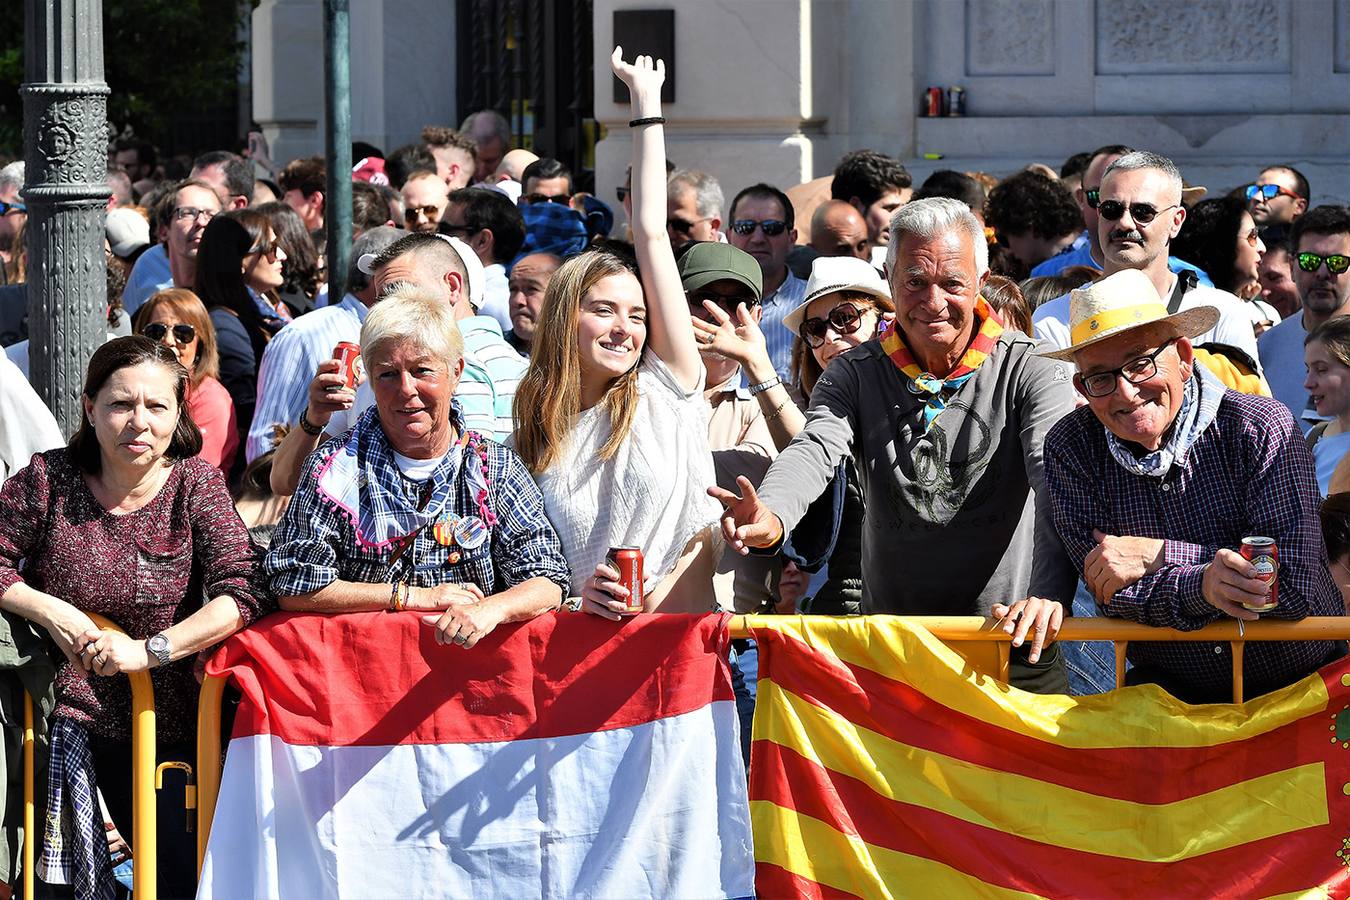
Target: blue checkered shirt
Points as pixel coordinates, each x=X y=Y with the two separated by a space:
x=315 y=544
x=1249 y=473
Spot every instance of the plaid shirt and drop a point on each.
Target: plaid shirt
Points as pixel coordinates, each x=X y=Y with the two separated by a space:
x=315 y=543
x=1248 y=473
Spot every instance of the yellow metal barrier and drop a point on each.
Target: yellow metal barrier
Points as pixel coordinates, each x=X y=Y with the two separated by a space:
x=208 y=760
x=966 y=629
x=143 y=847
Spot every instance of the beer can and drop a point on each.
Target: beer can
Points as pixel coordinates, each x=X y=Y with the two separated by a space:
x=627 y=561
x=956 y=101
x=1264 y=556
x=933 y=102
x=349 y=355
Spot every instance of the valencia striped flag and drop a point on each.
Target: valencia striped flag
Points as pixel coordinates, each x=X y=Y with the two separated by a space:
x=882 y=766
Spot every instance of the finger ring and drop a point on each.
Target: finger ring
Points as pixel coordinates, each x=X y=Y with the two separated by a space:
x=459 y=639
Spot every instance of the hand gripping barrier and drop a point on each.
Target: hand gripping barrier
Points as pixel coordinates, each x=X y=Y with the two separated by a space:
x=972 y=636
x=143 y=778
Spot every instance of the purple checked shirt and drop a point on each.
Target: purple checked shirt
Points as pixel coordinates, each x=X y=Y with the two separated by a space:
x=1249 y=473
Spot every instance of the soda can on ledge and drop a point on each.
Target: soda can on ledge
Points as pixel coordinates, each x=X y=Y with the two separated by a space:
x=1264 y=556
x=349 y=355
x=627 y=561
x=956 y=101
x=933 y=102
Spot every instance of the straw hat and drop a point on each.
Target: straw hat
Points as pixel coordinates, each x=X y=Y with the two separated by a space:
x=830 y=274
x=1119 y=303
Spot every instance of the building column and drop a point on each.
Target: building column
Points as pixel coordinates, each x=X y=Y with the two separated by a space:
x=65 y=146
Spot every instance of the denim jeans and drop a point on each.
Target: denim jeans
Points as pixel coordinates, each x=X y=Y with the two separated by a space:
x=1092 y=664
x=744 y=658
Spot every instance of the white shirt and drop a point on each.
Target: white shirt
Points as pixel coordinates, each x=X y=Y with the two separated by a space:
x=26 y=425
x=496 y=295
x=651 y=494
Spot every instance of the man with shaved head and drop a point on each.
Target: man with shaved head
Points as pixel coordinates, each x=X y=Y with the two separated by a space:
x=838 y=229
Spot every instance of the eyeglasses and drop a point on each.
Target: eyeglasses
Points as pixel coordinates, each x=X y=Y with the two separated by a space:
x=1311 y=262
x=770 y=227
x=844 y=319
x=680 y=226
x=728 y=302
x=1141 y=213
x=454 y=230
x=1093 y=196
x=622 y=192
x=431 y=212
x=1269 y=192
x=1136 y=371
x=182 y=333
x=1252 y=237
x=562 y=199
x=7 y=208
x=193 y=213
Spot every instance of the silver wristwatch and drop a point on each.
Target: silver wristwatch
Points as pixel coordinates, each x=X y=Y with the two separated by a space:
x=571 y=604
x=158 y=647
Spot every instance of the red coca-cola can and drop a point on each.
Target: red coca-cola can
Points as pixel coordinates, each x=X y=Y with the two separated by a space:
x=349 y=355
x=1264 y=556
x=627 y=561
x=933 y=102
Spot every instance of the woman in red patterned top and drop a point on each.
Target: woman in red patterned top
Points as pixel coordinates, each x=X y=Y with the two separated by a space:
x=127 y=523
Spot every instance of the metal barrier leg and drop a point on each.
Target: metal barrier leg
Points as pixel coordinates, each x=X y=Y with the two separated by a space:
x=1238 y=648
x=29 y=801
x=208 y=760
x=1120 y=647
x=1004 y=662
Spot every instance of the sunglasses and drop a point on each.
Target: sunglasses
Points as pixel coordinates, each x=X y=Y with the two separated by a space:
x=411 y=213
x=1252 y=237
x=727 y=302
x=622 y=192
x=770 y=227
x=182 y=333
x=265 y=248
x=680 y=226
x=1093 y=196
x=561 y=199
x=7 y=208
x=1136 y=371
x=1141 y=213
x=454 y=230
x=1269 y=192
x=844 y=319
x=1311 y=262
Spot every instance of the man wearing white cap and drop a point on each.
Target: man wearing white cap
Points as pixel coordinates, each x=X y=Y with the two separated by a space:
x=492 y=368
x=1156 y=483
x=944 y=419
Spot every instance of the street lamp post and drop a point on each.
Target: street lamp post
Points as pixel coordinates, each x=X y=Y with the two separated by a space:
x=65 y=149
x=338 y=145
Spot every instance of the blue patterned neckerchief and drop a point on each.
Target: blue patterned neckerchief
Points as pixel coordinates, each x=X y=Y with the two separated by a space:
x=1199 y=407
x=364 y=482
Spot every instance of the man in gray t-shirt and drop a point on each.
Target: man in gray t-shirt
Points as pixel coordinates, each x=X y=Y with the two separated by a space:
x=944 y=418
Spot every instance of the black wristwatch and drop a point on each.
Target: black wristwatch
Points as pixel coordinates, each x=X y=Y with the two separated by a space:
x=158 y=647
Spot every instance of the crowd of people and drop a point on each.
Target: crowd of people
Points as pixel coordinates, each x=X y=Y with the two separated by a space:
x=1065 y=392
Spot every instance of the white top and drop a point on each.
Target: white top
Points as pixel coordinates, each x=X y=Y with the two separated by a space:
x=26 y=425
x=416 y=469
x=1050 y=321
x=651 y=494
x=496 y=295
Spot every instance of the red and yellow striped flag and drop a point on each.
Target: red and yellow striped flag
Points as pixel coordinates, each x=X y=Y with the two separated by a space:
x=882 y=766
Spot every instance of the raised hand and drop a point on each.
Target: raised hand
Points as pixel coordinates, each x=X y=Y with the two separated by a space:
x=746 y=522
x=740 y=340
x=644 y=77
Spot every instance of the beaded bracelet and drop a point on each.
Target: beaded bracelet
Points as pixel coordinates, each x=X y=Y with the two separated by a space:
x=649 y=120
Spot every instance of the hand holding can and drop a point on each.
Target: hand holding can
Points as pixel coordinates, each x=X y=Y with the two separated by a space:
x=1264 y=556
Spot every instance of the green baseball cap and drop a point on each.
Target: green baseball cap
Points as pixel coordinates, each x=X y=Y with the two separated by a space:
x=708 y=261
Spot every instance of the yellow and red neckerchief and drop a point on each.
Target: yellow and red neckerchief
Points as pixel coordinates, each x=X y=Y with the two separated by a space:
x=930 y=387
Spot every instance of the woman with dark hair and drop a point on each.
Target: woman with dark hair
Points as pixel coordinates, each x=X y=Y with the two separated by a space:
x=177 y=319
x=301 y=289
x=1220 y=237
x=238 y=270
x=125 y=522
x=1335 y=513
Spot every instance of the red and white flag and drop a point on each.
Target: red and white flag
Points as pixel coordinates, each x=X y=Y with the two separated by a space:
x=564 y=757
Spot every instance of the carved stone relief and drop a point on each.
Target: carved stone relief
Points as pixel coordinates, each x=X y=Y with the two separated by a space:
x=1144 y=37
x=1010 y=37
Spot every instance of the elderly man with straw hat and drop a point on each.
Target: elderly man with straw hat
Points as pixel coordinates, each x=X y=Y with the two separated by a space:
x=1157 y=481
